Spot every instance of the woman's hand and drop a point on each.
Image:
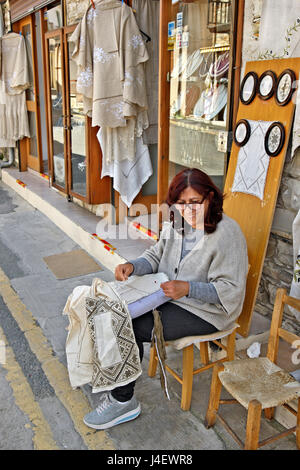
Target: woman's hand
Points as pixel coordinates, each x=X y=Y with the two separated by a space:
x=175 y=289
x=122 y=271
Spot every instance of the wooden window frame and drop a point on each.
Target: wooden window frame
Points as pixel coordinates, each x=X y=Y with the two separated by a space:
x=168 y=11
x=26 y=159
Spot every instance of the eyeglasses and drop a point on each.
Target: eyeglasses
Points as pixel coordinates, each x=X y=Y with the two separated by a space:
x=190 y=205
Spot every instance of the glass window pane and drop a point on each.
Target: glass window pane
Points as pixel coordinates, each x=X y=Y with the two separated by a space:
x=28 y=41
x=78 y=137
x=199 y=85
x=54 y=18
x=56 y=100
x=33 y=137
x=42 y=99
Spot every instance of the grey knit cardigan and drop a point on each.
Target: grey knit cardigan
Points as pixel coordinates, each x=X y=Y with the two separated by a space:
x=220 y=258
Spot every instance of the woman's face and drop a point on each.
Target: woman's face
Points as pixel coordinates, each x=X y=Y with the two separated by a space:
x=192 y=207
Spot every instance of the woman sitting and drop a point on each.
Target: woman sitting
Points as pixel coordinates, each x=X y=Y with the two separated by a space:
x=204 y=254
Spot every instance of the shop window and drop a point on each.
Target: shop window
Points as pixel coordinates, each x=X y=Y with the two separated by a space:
x=33 y=145
x=200 y=86
x=54 y=17
x=28 y=41
x=78 y=130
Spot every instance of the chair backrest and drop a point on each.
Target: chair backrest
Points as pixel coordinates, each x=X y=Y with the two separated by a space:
x=276 y=331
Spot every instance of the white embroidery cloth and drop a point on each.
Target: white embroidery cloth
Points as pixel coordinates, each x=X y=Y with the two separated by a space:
x=253 y=162
x=118 y=143
x=138 y=287
x=110 y=55
x=295 y=287
x=279 y=38
x=252 y=14
x=103 y=360
x=86 y=342
x=14 y=81
x=128 y=175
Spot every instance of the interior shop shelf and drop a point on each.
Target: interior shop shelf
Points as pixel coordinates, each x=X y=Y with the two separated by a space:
x=203 y=125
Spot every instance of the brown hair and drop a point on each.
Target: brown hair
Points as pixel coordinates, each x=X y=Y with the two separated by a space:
x=200 y=182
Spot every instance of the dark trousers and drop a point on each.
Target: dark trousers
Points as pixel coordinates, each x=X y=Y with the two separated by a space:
x=177 y=323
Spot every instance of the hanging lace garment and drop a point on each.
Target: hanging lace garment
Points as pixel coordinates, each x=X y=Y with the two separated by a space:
x=253 y=162
x=110 y=55
x=128 y=175
x=13 y=83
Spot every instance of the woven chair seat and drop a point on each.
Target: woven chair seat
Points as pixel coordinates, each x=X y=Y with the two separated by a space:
x=188 y=340
x=258 y=379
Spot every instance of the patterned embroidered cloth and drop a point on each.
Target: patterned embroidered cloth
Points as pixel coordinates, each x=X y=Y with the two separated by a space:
x=128 y=175
x=116 y=359
x=100 y=345
x=253 y=162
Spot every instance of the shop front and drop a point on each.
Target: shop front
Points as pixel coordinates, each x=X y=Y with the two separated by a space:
x=63 y=145
x=194 y=56
x=190 y=77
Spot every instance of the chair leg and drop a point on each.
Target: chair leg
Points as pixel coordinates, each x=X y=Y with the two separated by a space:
x=214 y=398
x=187 y=377
x=204 y=353
x=231 y=346
x=253 y=425
x=269 y=413
x=298 y=426
x=152 y=362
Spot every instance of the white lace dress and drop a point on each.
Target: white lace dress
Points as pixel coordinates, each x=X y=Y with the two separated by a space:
x=110 y=55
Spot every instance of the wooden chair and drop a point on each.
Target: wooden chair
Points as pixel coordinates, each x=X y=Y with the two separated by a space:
x=187 y=346
x=258 y=384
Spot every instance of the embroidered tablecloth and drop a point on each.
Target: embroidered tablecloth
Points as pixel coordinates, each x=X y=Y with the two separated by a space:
x=253 y=162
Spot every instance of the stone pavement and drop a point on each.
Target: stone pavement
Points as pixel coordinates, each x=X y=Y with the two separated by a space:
x=38 y=409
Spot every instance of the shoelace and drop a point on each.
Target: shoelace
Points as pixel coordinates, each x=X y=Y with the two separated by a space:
x=103 y=405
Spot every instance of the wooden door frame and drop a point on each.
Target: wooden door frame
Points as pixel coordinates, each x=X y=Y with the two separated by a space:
x=67 y=30
x=43 y=30
x=27 y=160
x=49 y=35
x=163 y=104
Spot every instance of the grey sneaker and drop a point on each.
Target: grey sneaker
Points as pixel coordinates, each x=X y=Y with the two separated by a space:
x=111 y=412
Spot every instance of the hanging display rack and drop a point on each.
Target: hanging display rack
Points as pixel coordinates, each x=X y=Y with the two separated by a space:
x=219 y=17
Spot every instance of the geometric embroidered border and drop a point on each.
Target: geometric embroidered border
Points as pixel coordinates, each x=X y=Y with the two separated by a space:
x=129 y=368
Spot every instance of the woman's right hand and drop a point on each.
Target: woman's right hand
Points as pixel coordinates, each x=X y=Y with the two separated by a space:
x=123 y=271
